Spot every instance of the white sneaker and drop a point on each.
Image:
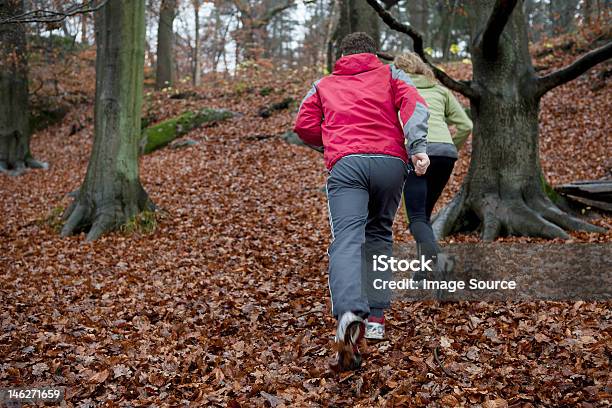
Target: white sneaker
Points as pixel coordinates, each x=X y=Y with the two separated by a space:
x=374 y=330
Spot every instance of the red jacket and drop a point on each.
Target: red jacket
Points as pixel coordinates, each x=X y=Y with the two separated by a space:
x=355 y=110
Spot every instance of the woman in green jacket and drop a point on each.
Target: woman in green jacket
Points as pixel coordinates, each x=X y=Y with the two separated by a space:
x=422 y=192
x=442 y=147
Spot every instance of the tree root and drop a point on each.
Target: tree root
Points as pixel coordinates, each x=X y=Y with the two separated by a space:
x=19 y=167
x=553 y=214
x=4 y=168
x=35 y=164
x=83 y=214
x=527 y=215
x=445 y=222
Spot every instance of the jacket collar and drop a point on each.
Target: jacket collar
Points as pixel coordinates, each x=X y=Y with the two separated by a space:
x=356 y=64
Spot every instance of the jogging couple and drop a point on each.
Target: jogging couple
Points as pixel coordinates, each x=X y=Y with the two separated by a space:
x=384 y=130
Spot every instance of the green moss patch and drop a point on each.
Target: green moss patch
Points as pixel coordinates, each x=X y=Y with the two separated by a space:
x=158 y=136
x=549 y=190
x=143 y=223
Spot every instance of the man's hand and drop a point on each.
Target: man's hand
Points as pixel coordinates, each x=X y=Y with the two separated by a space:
x=421 y=163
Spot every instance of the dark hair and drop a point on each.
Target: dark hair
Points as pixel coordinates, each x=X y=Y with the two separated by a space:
x=357 y=43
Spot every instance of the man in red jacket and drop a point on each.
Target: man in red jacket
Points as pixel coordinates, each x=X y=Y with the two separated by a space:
x=369 y=118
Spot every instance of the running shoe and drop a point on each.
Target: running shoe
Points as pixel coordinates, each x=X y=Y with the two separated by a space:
x=375 y=328
x=350 y=331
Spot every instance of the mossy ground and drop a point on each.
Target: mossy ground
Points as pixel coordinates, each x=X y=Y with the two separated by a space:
x=158 y=136
x=143 y=223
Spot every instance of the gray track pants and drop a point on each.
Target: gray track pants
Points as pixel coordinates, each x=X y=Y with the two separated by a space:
x=363 y=193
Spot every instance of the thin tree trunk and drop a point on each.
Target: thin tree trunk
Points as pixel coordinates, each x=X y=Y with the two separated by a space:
x=273 y=46
x=447 y=30
x=329 y=36
x=252 y=49
x=65 y=30
x=239 y=41
x=217 y=39
x=197 y=63
x=165 y=45
x=552 y=19
x=606 y=12
x=111 y=193
x=84 y=40
x=220 y=45
x=424 y=20
x=15 y=154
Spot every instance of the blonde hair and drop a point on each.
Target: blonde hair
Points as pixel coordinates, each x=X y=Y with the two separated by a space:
x=411 y=63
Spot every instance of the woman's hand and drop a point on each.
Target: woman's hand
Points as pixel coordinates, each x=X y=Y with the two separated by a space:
x=421 y=163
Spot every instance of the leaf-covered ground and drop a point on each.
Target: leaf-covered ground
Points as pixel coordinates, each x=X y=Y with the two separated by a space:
x=226 y=302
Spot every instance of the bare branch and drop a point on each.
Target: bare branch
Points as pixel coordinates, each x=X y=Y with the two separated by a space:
x=463 y=87
x=258 y=22
x=574 y=70
x=51 y=16
x=243 y=8
x=279 y=9
x=495 y=26
x=417 y=38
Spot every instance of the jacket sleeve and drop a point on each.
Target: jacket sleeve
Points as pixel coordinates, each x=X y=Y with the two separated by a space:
x=413 y=110
x=455 y=115
x=309 y=119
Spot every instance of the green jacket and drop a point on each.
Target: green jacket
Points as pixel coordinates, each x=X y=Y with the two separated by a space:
x=444 y=110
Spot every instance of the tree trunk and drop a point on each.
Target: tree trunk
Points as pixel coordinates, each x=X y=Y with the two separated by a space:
x=165 y=43
x=417 y=12
x=424 y=20
x=364 y=19
x=65 y=30
x=356 y=15
x=329 y=35
x=503 y=192
x=197 y=63
x=238 y=46
x=587 y=11
x=448 y=21
x=15 y=154
x=273 y=45
x=218 y=37
x=254 y=34
x=84 y=29
x=111 y=193
x=563 y=15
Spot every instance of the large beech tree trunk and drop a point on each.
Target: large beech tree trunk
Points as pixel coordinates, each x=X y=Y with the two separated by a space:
x=111 y=193
x=503 y=192
x=15 y=154
x=165 y=41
